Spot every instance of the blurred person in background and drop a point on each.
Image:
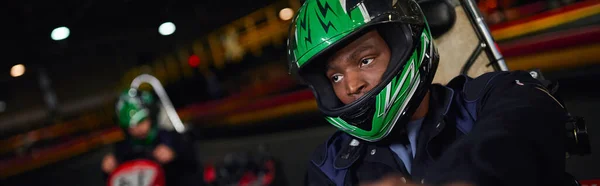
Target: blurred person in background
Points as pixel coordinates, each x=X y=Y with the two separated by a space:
x=371 y=63
x=138 y=116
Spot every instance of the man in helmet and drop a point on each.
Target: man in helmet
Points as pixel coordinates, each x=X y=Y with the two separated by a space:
x=370 y=64
x=137 y=113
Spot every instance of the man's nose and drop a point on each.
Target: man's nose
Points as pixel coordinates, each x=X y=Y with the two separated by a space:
x=356 y=86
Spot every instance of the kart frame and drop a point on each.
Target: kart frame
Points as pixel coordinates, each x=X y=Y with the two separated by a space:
x=163 y=97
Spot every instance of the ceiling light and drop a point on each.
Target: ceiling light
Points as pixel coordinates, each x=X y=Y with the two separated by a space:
x=60 y=33
x=17 y=70
x=166 y=28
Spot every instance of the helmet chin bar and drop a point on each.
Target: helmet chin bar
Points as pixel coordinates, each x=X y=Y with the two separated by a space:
x=362 y=116
x=427 y=72
x=162 y=96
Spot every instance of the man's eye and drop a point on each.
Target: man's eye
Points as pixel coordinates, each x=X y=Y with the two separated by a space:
x=366 y=61
x=336 y=78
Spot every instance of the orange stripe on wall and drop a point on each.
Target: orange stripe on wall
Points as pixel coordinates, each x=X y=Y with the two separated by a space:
x=557 y=59
x=294 y=108
x=51 y=155
x=541 y=15
x=545 y=22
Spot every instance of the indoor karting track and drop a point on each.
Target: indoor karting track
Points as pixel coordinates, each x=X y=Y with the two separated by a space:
x=293 y=147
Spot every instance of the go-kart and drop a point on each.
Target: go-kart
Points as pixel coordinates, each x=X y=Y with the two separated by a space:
x=244 y=169
x=139 y=172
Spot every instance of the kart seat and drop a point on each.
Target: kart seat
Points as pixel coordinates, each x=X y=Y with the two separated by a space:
x=440 y=15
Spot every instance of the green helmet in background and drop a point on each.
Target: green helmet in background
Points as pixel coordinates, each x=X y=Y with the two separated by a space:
x=133 y=107
x=322 y=27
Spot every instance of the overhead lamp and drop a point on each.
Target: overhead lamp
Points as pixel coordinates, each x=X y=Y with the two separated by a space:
x=60 y=33
x=17 y=70
x=166 y=28
x=286 y=14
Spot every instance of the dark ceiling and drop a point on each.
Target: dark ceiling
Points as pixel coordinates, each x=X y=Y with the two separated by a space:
x=101 y=31
x=127 y=24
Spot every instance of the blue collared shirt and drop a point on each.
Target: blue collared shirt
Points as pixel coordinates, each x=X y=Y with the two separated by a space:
x=406 y=152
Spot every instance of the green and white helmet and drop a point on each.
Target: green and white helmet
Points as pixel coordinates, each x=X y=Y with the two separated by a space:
x=132 y=107
x=323 y=26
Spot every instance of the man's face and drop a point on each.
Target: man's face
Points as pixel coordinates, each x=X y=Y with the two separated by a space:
x=358 y=67
x=141 y=130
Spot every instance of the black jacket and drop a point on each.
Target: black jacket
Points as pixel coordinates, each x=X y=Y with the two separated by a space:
x=517 y=139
